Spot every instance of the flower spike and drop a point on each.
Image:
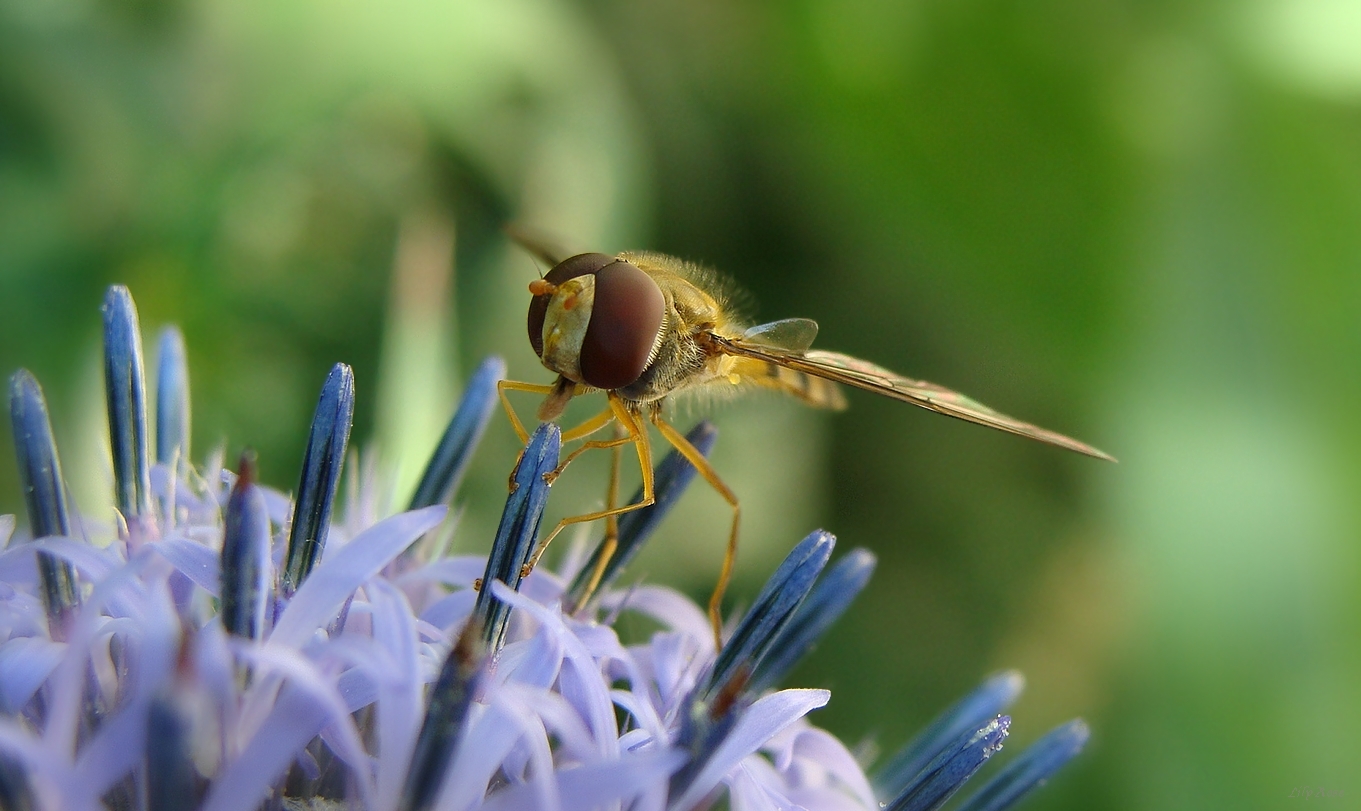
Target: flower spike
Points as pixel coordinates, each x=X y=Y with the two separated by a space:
x=450 y=459
x=245 y=567
x=771 y=612
x=44 y=493
x=670 y=478
x=829 y=599
x=450 y=696
x=952 y=767
x=714 y=707
x=125 y=388
x=320 y=476
x=969 y=713
x=172 y=782
x=1034 y=766
x=517 y=532
x=172 y=398
x=15 y=792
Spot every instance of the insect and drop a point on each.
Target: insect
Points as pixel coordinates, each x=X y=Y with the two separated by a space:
x=644 y=327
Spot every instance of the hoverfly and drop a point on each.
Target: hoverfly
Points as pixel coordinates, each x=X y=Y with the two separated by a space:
x=643 y=327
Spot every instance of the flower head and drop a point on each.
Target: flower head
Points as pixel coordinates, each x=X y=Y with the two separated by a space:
x=226 y=647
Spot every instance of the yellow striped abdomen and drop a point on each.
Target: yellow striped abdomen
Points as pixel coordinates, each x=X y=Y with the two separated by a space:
x=813 y=391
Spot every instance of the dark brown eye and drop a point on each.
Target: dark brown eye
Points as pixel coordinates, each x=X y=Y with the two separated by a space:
x=625 y=318
x=579 y=265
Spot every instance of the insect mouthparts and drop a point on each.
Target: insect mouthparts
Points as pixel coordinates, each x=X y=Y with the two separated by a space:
x=542 y=287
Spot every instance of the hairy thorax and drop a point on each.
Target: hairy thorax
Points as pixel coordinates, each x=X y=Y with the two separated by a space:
x=684 y=358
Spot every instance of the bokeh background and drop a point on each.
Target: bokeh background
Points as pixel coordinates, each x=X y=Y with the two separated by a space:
x=1137 y=223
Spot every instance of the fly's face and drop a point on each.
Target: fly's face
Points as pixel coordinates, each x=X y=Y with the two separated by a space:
x=597 y=320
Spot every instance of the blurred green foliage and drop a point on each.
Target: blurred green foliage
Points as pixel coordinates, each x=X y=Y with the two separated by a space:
x=1131 y=222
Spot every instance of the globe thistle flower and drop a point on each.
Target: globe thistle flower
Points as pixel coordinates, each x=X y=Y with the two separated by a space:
x=224 y=647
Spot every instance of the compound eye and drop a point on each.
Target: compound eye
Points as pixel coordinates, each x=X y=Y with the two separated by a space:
x=579 y=265
x=627 y=315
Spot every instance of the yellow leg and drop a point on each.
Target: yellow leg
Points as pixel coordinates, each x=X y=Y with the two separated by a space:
x=589 y=426
x=611 y=540
x=503 y=386
x=612 y=499
x=702 y=466
x=552 y=475
x=636 y=433
x=586 y=429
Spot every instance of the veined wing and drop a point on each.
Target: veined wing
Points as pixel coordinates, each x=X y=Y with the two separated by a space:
x=785 y=335
x=861 y=374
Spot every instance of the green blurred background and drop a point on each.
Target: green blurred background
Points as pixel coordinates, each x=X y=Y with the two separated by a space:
x=1133 y=222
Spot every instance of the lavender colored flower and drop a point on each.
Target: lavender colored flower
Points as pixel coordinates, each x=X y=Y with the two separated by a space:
x=192 y=671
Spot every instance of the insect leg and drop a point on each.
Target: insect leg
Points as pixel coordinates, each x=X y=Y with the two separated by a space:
x=611 y=540
x=503 y=386
x=702 y=466
x=552 y=475
x=589 y=426
x=636 y=433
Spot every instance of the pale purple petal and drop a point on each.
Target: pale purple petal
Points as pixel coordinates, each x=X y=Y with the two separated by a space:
x=399 y=702
x=213 y=662
x=93 y=562
x=580 y=682
x=22 y=613
x=25 y=663
x=475 y=764
x=820 y=749
x=186 y=501
x=796 y=790
x=747 y=793
x=636 y=740
x=667 y=606
x=152 y=628
x=307 y=704
x=518 y=712
x=346 y=569
x=458 y=571
x=676 y=660
x=278 y=506
x=155 y=628
x=510 y=720
x=652 y=798
x=430 y=633
x=542 y=586
x=760 y=721
x=17 y=564
x=68 y=681
x=357 y=687
x=451 y=610
x=598 y=784
x=114 y=751
x=576 y=742
x=651 y=726
x=535 y=661
x=294 y=720
x=194 y=560
x=619 y=662
x=45 y=771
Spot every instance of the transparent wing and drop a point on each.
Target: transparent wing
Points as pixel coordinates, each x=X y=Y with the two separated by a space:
x=788 y=334
x=864 y=375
